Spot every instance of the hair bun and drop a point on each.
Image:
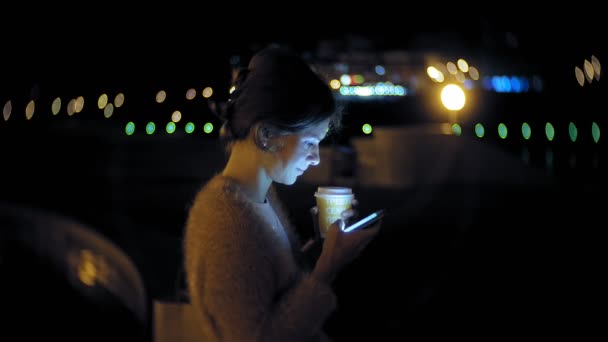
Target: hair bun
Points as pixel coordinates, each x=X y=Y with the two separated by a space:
x=239 y=77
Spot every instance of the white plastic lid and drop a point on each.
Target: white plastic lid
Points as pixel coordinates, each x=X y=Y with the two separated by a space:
x=333 y=190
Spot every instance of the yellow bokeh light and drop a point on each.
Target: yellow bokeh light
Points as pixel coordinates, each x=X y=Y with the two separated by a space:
x=71 y=107
x=176 y=116
x=190 y=94
x=7 y=109
x=87 y=271
x=453 y=97
x=588 y=70
x=334 y=84
x=473 y=73
x=463 y=65
x=597 y=67
x=56 y=106
x=29 y=109
x=161 y=96
x=119 y=100
x=207 y=92
x=102 y=101
x=79 y=104
x=451 y=68
x=108 y=111
x=580 y=76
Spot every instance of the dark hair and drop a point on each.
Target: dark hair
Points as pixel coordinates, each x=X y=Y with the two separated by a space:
x=281 y=91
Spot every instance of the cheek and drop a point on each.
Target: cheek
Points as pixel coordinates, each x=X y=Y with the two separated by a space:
x=299 y=157
x=284 y=162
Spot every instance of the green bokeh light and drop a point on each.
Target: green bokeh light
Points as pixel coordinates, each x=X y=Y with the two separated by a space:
x=130 y=128
x=573 y=131
x=526 y=131
x=367 y=128
x=208 y=128
x=595 y=132
x=150 y=127
x=502 y=130
x=170 y=127
x=479 y=130
x=549 y=131
x=189 y=127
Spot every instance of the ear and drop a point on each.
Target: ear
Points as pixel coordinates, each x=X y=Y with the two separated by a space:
x=264 y=134
x=267 y=138
x=264 y=137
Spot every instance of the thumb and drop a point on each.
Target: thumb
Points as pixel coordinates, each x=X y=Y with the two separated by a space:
x=307 y=245
x=341 y=224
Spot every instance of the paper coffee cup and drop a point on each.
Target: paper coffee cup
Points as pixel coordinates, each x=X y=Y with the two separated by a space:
x=331 y=202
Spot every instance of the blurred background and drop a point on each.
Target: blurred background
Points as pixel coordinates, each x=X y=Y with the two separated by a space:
x=480 y=133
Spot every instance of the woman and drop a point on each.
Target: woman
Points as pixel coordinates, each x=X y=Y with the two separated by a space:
x=242 y=256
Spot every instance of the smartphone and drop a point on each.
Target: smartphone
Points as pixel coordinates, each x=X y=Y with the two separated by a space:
x=365 y=222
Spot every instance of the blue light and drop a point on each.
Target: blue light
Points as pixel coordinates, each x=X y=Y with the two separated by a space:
x=468 y=84
x=537 y=83
x=487 y=83
x=506 y=84
x=525 y=85
x=380 y=89
x=496 y=84
x=515 y=84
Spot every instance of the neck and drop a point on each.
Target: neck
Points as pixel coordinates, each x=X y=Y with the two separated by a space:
x=244 y=166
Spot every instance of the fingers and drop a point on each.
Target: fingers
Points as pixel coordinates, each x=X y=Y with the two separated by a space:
x=314 y=213
x=341 y=224
x=348 y=213
x=307 y=245
x=366 y=234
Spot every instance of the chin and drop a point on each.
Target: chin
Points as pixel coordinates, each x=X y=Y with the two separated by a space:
x=290 y=182
x=287 y=181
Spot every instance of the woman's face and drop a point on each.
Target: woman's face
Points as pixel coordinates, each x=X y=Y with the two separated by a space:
x=297 y=153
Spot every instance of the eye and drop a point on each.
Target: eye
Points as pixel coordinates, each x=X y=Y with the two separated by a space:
x=310 y=144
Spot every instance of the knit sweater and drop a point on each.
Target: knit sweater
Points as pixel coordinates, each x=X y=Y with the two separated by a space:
x=243 y=277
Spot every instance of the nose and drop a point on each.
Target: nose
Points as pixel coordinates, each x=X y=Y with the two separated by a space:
x=313 y=158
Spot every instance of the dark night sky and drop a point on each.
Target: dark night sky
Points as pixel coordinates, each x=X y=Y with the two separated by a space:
x=142 y=46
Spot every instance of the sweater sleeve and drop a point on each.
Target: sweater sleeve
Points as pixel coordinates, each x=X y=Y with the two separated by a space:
x=240 y=294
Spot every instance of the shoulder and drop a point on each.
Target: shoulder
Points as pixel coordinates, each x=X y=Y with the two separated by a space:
x=220 y=208
x=218 y=193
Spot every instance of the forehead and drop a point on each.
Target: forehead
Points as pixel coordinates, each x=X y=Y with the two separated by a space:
x=317 y=130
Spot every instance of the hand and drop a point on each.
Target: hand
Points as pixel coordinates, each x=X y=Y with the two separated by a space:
x=347 y=215
x=313 y=247
x=341 y=248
